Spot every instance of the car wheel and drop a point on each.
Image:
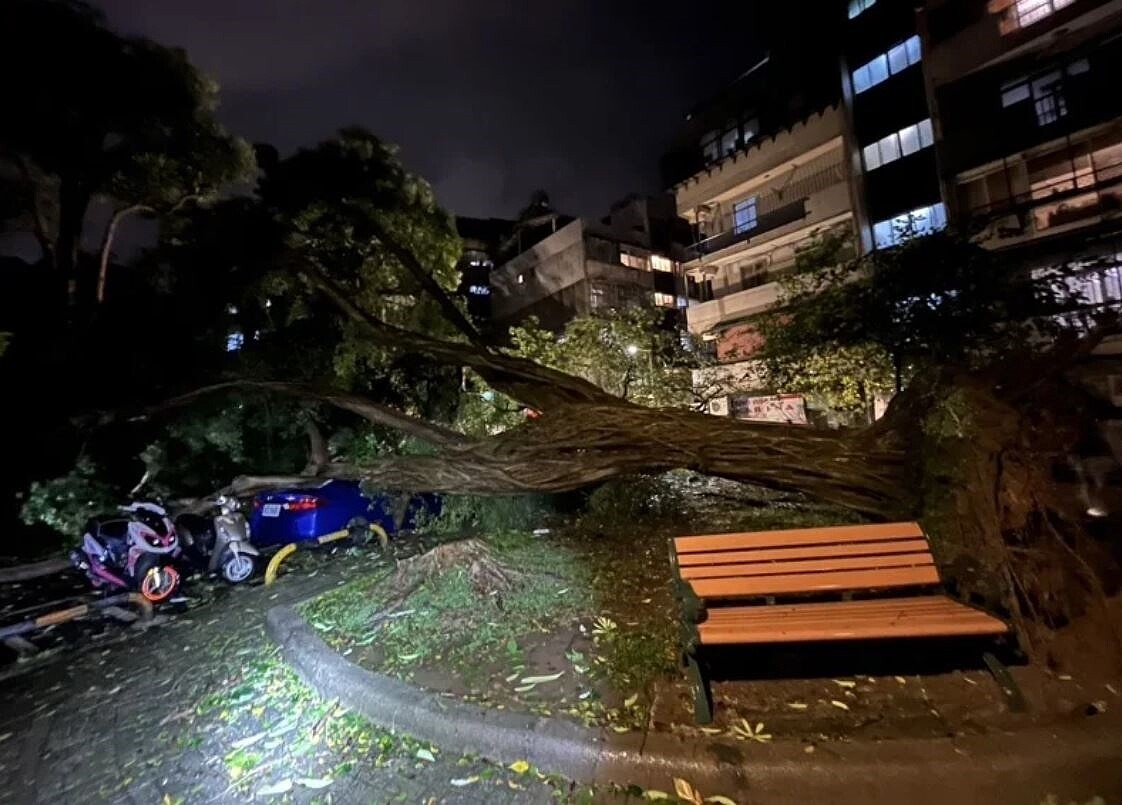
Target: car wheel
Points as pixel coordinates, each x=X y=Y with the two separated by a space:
x=236 y=567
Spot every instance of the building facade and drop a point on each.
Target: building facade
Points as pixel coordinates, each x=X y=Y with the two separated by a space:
x=629 y=259
x=753 y=205
x=482 y=239
x=997 y=117
x=1030 y=118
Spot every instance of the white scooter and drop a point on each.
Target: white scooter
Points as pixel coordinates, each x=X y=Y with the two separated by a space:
x=220 y=543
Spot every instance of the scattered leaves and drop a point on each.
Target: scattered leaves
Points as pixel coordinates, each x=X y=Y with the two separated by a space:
x=519 y=767
x=744 y=731
x=839 y=705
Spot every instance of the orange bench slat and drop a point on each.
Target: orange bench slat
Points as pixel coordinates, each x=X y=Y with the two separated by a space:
x=742 y=587
x=830 y=535
x=808 y=566
x=929 y=616
x=879 y=548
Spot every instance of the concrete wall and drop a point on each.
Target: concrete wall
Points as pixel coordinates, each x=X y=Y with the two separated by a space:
x=546 y=270
x=768 y=159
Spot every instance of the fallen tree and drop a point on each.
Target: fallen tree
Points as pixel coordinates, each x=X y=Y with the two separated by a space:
x=972 y=453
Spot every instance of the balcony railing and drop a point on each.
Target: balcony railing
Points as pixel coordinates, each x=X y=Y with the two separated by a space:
x=724 y=231
x=1071 y=198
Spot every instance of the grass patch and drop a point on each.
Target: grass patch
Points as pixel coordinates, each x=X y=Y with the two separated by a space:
x=446 y=619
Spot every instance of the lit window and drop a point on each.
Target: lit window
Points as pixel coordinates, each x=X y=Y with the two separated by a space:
x=596 y=297
x=633 y=261
x=857 y=6
x=479 y=290
x=920 y=221
x=889 y=148
x=878 y=69
x=1030 y=11
x=1046 y=91
x=664 y=299
x=872 y=156
x=235 y=341
x=902 y=143
x=660 y=263
x=521 y=279
x=744 y=215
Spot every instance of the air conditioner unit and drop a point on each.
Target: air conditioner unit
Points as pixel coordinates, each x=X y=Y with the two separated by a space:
x=719 y=406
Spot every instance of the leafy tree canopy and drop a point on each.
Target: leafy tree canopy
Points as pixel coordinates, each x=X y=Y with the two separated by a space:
x=99 y=116
x=937 y=299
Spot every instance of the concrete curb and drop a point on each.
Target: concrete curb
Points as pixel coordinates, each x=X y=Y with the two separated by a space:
x=1077 y=760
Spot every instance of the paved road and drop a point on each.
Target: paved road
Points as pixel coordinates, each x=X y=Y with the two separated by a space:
x=157 y=718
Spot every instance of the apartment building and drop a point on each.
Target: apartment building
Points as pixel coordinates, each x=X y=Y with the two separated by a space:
x=753 y=204
x=482 y=239
x=1030 y=120
x=630 y=258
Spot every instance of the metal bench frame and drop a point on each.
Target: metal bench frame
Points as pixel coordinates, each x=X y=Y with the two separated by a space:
x=727 y=585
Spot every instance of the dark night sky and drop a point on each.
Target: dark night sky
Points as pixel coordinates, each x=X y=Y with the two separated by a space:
x=487 y=99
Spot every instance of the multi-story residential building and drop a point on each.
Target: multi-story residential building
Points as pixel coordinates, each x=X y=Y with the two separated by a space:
x=889 y=128
x=482 y=239
x=631 y=258
x=1030 y=129
x=766 y=195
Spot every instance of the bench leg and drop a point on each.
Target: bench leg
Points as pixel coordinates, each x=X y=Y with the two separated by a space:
x=702 y=693
x=1013 y=695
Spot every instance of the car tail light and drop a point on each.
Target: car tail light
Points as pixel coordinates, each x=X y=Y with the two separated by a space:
x=304 y=504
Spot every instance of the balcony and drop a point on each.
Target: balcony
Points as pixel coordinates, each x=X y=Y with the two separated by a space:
x=725 y=232
x=1080 y=195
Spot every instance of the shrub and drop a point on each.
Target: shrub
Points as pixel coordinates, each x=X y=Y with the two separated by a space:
x=618 y=505
x=66 y=502
x=490 y=514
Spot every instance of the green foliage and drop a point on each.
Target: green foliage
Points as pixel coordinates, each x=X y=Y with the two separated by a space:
x=625 y=352
x=105 y=115
x=934 y=299
x=623 y=503
x=490 y=514
x=65 y=503
x=451 y=621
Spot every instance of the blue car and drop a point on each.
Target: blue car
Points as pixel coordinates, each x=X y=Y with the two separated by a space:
x=303 y=514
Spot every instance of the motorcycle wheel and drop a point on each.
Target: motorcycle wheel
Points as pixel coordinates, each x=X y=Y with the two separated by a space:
x=236 y=567
x=157 y=581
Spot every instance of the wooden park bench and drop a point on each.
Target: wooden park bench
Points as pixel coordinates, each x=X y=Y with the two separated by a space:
x=855 y=582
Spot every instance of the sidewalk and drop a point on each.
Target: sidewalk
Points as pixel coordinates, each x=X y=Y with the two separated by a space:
x=1075 y=760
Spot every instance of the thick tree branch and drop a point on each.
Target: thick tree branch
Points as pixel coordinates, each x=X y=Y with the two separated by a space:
x=530 y=383
x=423 y=276
x=371 y=411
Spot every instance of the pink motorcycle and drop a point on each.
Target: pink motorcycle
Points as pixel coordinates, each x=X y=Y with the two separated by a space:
x=135 y=550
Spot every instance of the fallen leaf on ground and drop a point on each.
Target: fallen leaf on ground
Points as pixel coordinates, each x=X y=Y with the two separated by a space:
x=797 y=705
x=711 y=730
x=653 y=794
x=425 y=754
x=519 y=767
x=720 y=800
x=281 y=787
x=686 y=792
x=462 y=781
x=620 y=729
x=1064 y=677
x=512 y=677
x=839 y=705
x=524 y=688
x=314 y=782
x=630 y=700
x=250 y=741
x=537 y=680
x=809 y=749
x=409 y=657
x=845 y=683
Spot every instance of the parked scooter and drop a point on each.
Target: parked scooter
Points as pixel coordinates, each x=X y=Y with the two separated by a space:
x=134 y=550
x=219 y=543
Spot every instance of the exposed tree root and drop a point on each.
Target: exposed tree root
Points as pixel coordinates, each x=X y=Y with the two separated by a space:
x=488 y=576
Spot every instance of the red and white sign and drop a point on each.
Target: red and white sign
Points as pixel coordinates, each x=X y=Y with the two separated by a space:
x=790 y=408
